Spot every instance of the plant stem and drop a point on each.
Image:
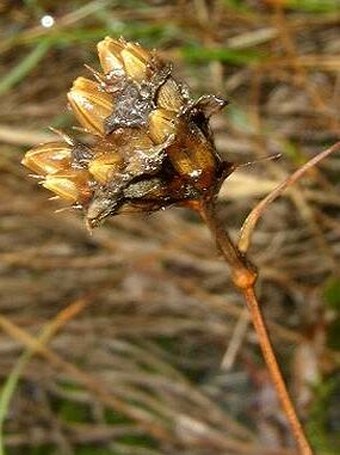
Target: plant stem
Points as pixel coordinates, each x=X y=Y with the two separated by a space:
x=244 y=277
x=274 y=370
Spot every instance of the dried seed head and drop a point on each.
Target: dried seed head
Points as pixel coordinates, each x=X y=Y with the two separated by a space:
x=152 y=145
x=90 y=104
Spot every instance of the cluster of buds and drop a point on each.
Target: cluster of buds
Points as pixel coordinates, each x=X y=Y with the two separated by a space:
x=152 y=143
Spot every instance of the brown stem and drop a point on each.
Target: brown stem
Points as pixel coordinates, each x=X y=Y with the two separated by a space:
x=244 y=277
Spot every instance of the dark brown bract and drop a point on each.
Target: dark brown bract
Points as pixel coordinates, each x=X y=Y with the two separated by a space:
x=153 y=146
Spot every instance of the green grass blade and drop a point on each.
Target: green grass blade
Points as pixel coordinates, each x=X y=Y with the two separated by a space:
x=233 y=56
x=8 y=391
x=24 y=67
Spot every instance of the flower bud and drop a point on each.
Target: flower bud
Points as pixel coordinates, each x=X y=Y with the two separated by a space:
x=109 y=56
x=193 y=155
x=71 y=186
x=161 y=125
x=90 y=104
x=135 y=61
x=48 y=158
x=103 y=167
x=118 y=57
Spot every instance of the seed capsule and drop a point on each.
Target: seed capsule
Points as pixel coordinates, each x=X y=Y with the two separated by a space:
x=90 y=104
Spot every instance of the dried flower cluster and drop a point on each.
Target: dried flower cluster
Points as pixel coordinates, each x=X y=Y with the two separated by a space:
x=152 y=146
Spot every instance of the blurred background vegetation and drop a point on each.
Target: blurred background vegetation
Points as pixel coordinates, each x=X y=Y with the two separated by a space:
x=143 y=345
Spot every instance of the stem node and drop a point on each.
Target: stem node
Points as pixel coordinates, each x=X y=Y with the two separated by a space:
x=245 y=277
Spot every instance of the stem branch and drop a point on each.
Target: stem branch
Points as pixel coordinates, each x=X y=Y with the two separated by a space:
x=244 y=277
